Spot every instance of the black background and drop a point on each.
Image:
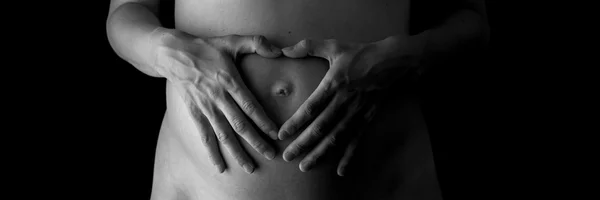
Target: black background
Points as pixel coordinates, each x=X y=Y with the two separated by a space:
x=100 y=117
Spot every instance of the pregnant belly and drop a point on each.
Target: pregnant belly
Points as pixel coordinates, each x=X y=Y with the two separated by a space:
x=383 y=168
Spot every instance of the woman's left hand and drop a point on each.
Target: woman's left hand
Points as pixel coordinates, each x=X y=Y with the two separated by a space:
x=346 y=99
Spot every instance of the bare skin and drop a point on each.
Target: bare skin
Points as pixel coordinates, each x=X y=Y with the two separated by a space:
x=359 y=72
x=203 y=70
x=188 y=148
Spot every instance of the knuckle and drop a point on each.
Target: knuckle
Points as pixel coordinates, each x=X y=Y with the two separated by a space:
x=298 y=147
x=258 y=39
x=226 y=79
x=310 y=109
x=205 y=139
x=238 y=125
x=259 y=146
x=332 y=141
x=222 y=137
x=205 y=102
x=214 y=93
x=317 y=130
x=249 y=107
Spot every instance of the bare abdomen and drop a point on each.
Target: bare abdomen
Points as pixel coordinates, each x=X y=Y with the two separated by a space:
x=281 y=85
x=392 y=160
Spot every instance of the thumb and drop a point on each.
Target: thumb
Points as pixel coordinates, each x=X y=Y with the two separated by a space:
x=308 y=47
x=256 y=44
x=299 y=50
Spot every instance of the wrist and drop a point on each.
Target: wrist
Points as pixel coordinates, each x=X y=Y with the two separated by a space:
x=169 y=53
x=164 y=36
x=157 y=42
x=152 y=43
x=407 y=52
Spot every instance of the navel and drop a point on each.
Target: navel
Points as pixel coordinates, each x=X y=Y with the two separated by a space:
x=281 y=88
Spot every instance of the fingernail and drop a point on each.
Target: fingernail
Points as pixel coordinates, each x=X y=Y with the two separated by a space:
x=283 y=135
x=220 y=169
x=275 y=49
x=273 y=135
x=248 y=168
x=305 y=166
x=288 y=156
x=270 y=155
x=341 y=171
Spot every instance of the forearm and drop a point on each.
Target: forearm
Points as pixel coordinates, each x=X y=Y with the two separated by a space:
x=464 y=32
x=129 y=28
x=461 y=34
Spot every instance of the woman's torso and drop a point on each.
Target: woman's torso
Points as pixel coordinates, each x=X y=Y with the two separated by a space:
x=285 y=22
x=404 y=167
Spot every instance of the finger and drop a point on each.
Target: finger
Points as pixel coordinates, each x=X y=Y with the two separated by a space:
x=307 y=47
x=315 y=131
x=249 y=105
x=253 y=44
x=310 y=108
x=349 y=152
x=332 y=139
x=341 y=170
x=242 y=127
x=208 y=138
x=227 y=138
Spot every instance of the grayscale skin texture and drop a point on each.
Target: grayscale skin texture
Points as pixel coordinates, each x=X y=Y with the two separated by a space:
x=393 y=158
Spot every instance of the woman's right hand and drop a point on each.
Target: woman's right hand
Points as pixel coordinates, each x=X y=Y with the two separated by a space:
x=204 y=72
